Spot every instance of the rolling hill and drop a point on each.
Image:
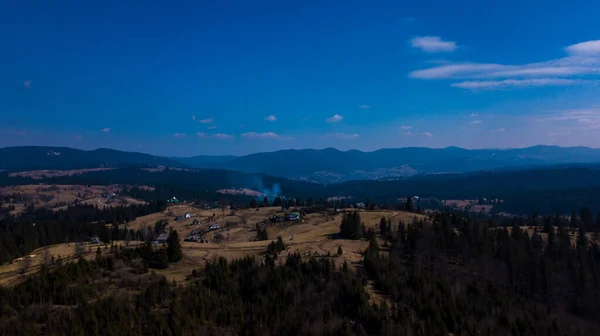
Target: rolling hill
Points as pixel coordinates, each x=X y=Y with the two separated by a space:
x=63 y=158
x=317 y=165
x=332 y=165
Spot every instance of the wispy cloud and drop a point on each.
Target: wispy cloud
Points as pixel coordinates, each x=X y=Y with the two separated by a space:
x=222 y=136
x=206 y=121
x=335 y=118
x=499 y=130
x=582 y=61
x=405 y=127
x=27 y=84
x=265 y=135
x=425 y=134
x=581 y=118
x=473 y=115
x=344 y=136
x=432 y=44
x=271 y=118
x=509 y=83
x=216 y=136
x=305 y=118
x=208 y=128
x=365 y=106
x=475 y=122
x=105 y=130
x=193 y=117
x=179 y=135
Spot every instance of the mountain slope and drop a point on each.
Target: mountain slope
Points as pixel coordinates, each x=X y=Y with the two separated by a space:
x=327 y=165
x=39 y=157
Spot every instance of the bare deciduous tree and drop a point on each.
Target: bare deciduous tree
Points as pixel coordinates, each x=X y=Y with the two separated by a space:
x=24 y=265
x=46 y=258
x=79 y=250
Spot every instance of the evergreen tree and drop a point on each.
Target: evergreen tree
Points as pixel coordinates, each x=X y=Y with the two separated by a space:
x=174 y=253
x=409 y=206
x=265 y=202
x=383 y=226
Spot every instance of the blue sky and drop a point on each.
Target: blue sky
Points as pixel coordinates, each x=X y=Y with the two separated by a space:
x=235 y=77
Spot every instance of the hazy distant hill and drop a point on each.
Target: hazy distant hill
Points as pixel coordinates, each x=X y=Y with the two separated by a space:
x=318 y=165
x=332 y=165
x=39 y=157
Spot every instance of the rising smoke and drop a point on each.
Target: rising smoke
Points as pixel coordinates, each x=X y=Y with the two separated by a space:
x=270 y=193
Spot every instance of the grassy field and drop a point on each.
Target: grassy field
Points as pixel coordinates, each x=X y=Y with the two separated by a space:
x=310 y=236
x=50 y=196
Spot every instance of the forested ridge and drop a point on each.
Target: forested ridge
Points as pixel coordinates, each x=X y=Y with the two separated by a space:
x=545 y=191
x=448 y=275
x=37 y=227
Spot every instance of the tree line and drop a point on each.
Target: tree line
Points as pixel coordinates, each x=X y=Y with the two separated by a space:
x=37 y=227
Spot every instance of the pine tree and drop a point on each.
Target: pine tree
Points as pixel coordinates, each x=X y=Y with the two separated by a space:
x=383 y=228
x=174 y=247
x=410 y=206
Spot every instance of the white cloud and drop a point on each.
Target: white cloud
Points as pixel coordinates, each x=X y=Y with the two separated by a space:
x=265 y=135
x=406 y=127
x=179 y=135
x=345 y=136
x=222 y=136
x=508 y=83
x=432 y=44
x=582 y=61
x=334 y=118
x=216 y=136
x=271 y=118
x=365 y=106
x=579 y=119
x=584 y=48
x=27 y=84
x=208 y=128
x=473 y=115
x=206 y=121
x=410 y=133
x=500 y=130
x=105 y=130
x=475 y=122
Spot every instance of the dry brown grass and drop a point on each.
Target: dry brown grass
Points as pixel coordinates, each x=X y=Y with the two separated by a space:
x=39 y=174
x=10 y=273
x=312 y=236
x=49 y=196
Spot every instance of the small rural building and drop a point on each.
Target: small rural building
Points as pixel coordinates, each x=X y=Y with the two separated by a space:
x=162 y=238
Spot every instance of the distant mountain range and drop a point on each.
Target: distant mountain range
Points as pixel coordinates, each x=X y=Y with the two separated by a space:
x=332 y=165
x=323 y=165
x=62 y=158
